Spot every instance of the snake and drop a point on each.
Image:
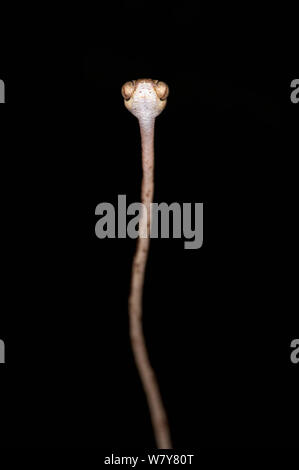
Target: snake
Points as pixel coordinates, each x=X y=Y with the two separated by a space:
x=146 y=99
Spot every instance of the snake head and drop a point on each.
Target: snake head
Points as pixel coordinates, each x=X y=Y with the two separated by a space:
x=145 y=98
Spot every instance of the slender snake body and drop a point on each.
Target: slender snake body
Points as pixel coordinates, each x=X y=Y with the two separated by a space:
x=146 y=99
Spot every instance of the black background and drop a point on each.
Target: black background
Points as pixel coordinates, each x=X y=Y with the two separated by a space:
x=219 y=320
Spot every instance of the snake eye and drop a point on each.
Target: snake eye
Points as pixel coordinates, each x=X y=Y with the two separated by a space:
x=162 y=90
x=127 y=90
